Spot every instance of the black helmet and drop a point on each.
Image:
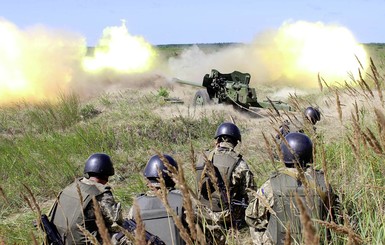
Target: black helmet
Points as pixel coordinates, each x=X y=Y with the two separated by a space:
x=313 y=114
x=302 y=147
x=99 y=164
x=284 y=129
x=228 y=129
x=156 y=164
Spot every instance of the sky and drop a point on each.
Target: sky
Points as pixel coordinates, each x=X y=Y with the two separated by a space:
x=198 y=21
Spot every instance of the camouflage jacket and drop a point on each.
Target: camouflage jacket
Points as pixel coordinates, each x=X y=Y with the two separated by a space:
x=261 y=208
x=295 y=125
x=110 y=209
x=241 y=181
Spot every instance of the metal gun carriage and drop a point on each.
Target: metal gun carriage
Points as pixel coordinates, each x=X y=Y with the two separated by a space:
x=231 y=88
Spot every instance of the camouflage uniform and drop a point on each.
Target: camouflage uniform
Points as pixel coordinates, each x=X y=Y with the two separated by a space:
x=257 y=214
x=110 y=209
x=63 y=208
x=241 y=182
x=259 y=210
x=296 y=125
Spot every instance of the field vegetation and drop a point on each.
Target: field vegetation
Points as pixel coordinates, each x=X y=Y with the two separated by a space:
x=43 y=147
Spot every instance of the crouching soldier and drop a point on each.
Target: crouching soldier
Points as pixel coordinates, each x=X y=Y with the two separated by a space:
x=311 y=116
x=157 y=219
x=274 y=213
x=75 y=208
x=223 y=180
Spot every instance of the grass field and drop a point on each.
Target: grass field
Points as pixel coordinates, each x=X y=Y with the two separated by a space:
x=43 y=147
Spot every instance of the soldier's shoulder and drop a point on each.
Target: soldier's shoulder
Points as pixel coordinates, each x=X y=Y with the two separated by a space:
x=103 y=188
x=319 y=173
x=274 y=174
x=241 y=165
x=74 y=183
x=140 y=195
x=236 y=155
x=203 y=156
x=265 y=188
x=176 y=191
x=207 y=152
x=313 y=170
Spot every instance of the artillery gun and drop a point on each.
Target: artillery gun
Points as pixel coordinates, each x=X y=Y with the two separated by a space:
x=231 y=88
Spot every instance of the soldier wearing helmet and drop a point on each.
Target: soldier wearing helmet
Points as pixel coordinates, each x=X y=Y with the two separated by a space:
x=156 y=165
x=297 y=178
x=311 y=116
x=155 y=216
x=75 y=207
x=223 y=180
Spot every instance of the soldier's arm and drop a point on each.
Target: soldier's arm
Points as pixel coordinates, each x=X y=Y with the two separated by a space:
x=244 y=178
x=258 y=210
x=111 y=211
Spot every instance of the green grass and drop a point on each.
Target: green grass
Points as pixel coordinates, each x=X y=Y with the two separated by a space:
x=46 y=155
x=44 y=146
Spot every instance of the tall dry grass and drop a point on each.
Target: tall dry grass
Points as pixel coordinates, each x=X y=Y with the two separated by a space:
x=350 y=150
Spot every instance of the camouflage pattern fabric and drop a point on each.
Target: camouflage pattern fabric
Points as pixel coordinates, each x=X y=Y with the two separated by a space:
x=242 y=180
x=110 y=209
x=260 y=208
x=295 y=125
x=257 y=214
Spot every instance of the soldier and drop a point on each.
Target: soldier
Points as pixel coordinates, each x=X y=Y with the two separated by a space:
x=74 y=206
x=312 y=116
x=274 y=208
x=157 y=220
x=224 y=180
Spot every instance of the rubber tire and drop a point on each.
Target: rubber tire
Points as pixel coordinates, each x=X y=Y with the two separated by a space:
x=201 y=98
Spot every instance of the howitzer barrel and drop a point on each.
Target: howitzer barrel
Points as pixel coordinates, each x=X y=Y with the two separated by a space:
x=195 y=84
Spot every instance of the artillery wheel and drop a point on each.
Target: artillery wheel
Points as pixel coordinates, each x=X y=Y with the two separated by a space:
x=201 y=98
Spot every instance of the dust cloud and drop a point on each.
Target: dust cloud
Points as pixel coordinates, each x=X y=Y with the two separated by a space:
x=38 y=62
x=291 y=56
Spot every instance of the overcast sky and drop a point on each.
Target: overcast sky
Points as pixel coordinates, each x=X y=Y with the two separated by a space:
x=198 y=21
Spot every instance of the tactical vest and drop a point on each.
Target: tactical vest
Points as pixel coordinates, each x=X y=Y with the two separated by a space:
x=69 y=211
x=284 y=185
x=224 y=164
x=157 y=220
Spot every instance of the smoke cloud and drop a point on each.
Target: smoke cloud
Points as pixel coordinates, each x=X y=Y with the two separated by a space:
x=38 y=62
x=291 y=56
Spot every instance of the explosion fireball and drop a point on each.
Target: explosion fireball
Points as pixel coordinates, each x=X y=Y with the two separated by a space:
x=120 y=51
x=298 y=51
x=38 y=62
